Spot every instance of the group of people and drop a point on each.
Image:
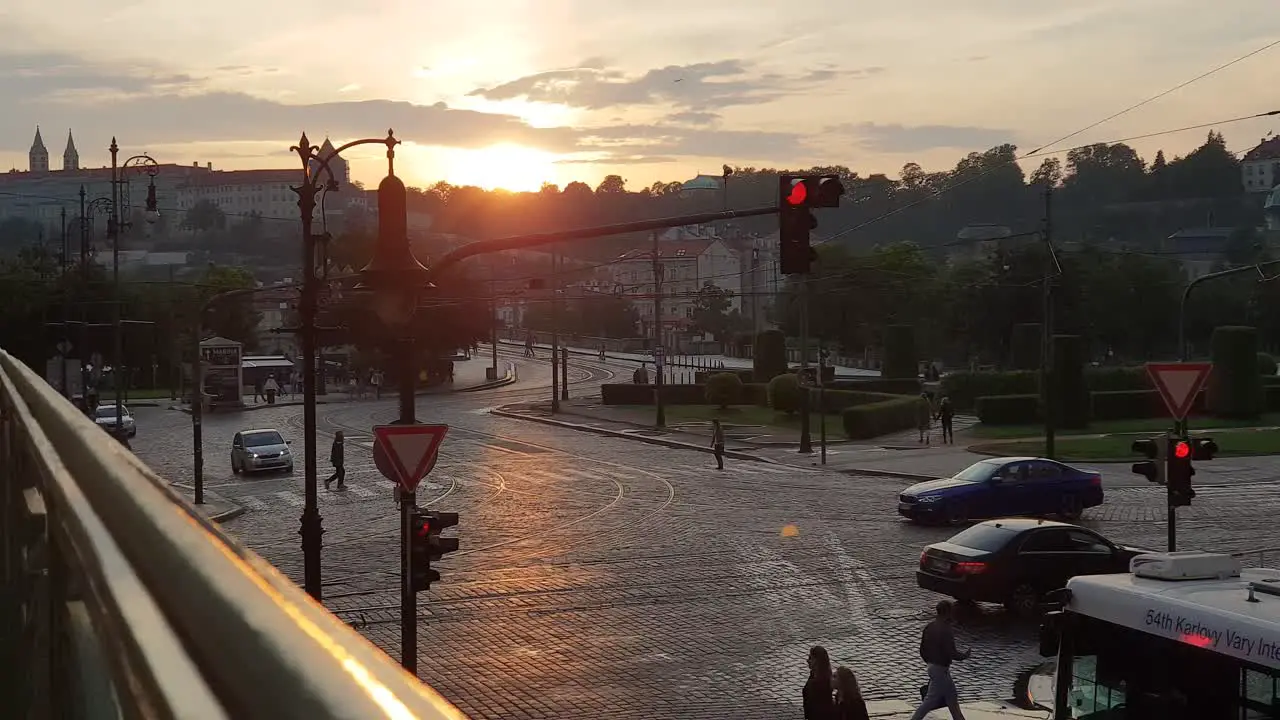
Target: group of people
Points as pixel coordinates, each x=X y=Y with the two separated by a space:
x=944 y=412
x=837 y=696
x=268 y=390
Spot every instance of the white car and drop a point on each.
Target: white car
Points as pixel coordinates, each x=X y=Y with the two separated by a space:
x=255 y=450
x=105 y=418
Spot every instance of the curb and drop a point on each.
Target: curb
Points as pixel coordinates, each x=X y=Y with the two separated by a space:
x=735 y=454
x=231 y=514
x=889 y=473
x=508 y=379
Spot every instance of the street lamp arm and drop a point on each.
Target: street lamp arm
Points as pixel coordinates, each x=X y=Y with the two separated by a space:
x=515 y=242
x=142 y=162
x=1186 y=293
x=311 y=152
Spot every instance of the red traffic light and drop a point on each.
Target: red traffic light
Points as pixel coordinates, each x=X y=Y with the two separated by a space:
x=1182 y=450
x=799 y=193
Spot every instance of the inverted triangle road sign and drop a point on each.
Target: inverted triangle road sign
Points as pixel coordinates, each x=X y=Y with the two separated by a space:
x=1179 y=383
x=407 y=453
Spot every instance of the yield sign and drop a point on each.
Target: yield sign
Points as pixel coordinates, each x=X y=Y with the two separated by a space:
x=1179 y=383
x=407 y=453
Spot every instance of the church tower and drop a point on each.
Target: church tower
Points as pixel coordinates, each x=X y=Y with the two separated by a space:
x=38 y=156
x=341 y=171
x=70 y=158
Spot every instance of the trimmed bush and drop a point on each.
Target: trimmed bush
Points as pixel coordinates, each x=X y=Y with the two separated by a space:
x=755 y=394
x=1117 y=378
x=1266 y=365
x=724 y=389
x=1024 y=346
x=743 y=374
x=881 y=418
x=1071 y=396
x=964 y=388
x=1126 y=405
x=836 y=401
x=1273 y=398
x=784 y=393
x=769 y=356
x=1008 y=409
x=1235 y=387
x=900 y=359
x=897 y=386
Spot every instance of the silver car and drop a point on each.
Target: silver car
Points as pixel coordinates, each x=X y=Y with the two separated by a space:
x=105 y=417
x=255 y=450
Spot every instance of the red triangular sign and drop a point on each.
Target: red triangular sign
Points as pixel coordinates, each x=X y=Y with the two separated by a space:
x=411 y=449
x=1179 y=383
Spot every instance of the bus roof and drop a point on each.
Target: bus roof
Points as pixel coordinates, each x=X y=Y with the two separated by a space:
x=1216 y=614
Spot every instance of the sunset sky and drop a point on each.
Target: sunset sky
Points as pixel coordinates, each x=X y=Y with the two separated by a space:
x=514 y=93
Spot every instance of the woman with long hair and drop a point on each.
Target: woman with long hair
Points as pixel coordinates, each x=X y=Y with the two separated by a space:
x=849 y=702
x=819 y=702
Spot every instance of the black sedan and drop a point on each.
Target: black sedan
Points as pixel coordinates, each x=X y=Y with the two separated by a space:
x=1015 y=561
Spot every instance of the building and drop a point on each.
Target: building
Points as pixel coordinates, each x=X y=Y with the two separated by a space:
x=240 y=194
x=1260 y=167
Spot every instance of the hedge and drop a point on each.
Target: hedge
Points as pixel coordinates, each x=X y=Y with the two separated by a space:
x=891 y=386
x=723 y=390
x=1235 y=387
x=785 y=393
x=881 y=418
x=1008 y=409
x=1266 y=365
x=837 y=401
x=1070 y=394
x=746 y=376
x=1126 y=405
x=964 y=388
x=769 y=356
x=632 y=394
x=900 y=359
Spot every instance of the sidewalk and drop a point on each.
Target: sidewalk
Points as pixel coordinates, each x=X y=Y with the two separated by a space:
x=215 y=508
x=695 y=362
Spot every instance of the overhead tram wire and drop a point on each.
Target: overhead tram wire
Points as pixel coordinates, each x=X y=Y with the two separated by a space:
x=1043 y=149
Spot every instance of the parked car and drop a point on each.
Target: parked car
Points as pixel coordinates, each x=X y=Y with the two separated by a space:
x=1015 y=561
x=255 y=450
x=105 y=417
x=1000 y=487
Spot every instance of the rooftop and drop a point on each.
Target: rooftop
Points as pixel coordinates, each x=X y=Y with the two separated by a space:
x=1268 y=149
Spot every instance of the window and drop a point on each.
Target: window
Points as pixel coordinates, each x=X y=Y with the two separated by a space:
x=1044 y=472
x=1080 y=541
x=263 y=438
x=984 y=537
x=1090 y=697
x=1258 y=694
x=1046 y=541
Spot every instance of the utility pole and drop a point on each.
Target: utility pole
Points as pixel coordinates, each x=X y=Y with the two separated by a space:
x=1046 y=350
x=564 y=373
x=806 y=441
x=822 y=414
x=66 y=301
x=555 y=333
x=493 y=316
x=84 y=237
x=658 y=350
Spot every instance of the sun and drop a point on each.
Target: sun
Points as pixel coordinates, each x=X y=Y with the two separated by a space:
x=506 y=166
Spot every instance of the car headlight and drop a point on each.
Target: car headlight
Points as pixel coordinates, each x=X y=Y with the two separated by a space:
x=284 y=453
x=253 y=455
x=928 y=498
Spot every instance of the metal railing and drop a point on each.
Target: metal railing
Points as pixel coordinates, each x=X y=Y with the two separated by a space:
x=119 y=600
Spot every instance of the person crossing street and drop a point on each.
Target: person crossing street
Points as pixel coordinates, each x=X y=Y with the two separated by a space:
x=337 y=456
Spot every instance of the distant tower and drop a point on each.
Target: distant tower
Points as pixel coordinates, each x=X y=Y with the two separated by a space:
x=341 y=172
x=70 y=158
x=38 y=156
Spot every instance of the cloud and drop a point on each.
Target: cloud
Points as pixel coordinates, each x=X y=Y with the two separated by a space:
x=630 y=140
x=620 y=160
x=705 y=85
x=896 y=138
x=693 y=117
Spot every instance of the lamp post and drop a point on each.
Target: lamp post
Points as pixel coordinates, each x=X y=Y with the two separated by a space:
x=314 y=167
x=396 y=278
x=115 y=225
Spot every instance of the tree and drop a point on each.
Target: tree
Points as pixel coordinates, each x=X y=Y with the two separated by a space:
x=233 y=319
x=711 y=311
x=603 y=315
x=611 y=185
x=1048 y=174
x=203 y=216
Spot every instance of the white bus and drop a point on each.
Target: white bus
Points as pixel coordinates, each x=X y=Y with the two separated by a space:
x=1182 y=635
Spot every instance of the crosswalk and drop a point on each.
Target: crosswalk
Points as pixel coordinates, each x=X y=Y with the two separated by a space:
x=365 y=485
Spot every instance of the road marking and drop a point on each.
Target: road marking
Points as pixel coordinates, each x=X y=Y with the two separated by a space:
x=291 y=499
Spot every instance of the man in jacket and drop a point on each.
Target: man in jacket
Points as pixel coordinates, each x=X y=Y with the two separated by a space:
x=938 y=650
x=337 y=456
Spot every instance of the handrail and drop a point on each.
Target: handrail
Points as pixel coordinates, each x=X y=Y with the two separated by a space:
x=195 y=625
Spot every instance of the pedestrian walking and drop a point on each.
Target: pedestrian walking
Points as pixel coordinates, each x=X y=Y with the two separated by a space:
x=924 y=417
x=717 y=443
x=641 y=375
x=602 y=352
x=819 y=700
x=938 y=650
x=375 y=379
x=271 y=388
x=257 y=391
x=338 y=457
x=849 y=702
x=946 y=414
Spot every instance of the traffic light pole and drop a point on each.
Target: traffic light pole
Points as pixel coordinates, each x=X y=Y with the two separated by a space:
x=659 y=352
x=1046 y=328
x=408 y=501
x=555 y=334
x=806 y=439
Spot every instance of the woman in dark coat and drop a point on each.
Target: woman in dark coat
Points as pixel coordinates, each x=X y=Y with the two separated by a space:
x=819 y=702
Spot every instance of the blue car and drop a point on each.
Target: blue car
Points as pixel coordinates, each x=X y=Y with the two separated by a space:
x=1001 y=487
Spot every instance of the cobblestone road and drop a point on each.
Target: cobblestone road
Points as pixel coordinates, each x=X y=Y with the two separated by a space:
x=602 y=577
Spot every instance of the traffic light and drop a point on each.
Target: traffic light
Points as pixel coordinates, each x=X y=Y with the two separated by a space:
x=795 y=221
x=1203 y=449
x=426 y=545
x=1180 y=472
x=1153 y=468
x=825 y=191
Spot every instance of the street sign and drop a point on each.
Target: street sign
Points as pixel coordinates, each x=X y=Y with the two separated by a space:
x=1179 y=383
x=407 y=453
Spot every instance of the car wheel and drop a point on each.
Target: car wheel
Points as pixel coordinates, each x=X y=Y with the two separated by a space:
x=957 y=512
x=1072 y=508
x=235 y=466
x=1024 y=601
x=289 y=469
